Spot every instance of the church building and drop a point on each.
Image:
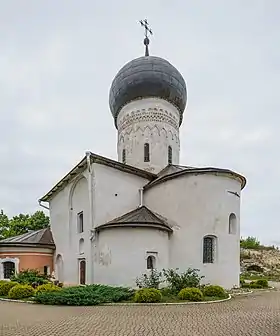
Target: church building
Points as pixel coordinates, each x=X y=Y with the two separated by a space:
x=112 y=221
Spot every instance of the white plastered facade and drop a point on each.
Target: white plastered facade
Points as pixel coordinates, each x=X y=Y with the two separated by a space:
x=153 y=121
x=195 y=205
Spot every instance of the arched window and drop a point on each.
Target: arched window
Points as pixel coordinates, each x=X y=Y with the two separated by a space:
x=151 y=262
x=123 y=156
x=80 y=222
x=146 y=152
x=169 y=155
x=82 y=272
x=232 y=224
x=81 y=246
x=209 y=249
x=9 y=269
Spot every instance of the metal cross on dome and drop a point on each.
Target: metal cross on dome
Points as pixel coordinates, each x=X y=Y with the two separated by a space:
x=145 y=24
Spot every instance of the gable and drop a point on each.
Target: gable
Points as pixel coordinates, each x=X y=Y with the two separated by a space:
x=84 y=164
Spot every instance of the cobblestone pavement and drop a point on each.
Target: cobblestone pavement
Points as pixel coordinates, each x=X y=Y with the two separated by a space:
x=257 y=314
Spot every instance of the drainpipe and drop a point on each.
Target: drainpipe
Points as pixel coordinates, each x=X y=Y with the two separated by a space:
x=42 y=205
x=91 y=218
x=90 y=189
x=141 y=197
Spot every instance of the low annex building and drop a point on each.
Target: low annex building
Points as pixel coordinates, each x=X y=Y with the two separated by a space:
x=114 y=220
x=32 y=250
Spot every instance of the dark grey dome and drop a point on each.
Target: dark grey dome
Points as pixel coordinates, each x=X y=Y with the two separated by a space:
x=148 y=76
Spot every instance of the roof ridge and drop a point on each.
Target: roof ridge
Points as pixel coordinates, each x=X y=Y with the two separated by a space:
x=134 y=211
x=141 y=216
x=81 y=166
x=32 y=237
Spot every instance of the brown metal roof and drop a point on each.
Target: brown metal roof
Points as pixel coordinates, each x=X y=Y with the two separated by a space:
x=39 y=237
x=94 y=158
x=140 y=217
x=173 y=171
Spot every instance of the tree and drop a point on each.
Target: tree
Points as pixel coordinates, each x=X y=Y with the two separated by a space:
x=250 y=243
x=21 y=223
x=4 y=224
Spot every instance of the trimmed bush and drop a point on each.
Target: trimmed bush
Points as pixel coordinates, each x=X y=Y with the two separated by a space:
x=262 y=282
x=67 y=299
x=147 y=295
x=190 y=294
x=21 y=292
x=217 y=291
x=5 y=287
x=89 y=295
x=255 y=285
x=47 y=288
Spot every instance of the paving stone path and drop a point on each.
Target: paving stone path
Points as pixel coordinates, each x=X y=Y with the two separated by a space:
x=254 y=315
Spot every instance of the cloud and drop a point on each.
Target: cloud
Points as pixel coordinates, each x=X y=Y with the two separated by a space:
x=57 y=63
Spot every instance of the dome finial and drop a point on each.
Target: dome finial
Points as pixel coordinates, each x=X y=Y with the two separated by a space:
x=144 y=23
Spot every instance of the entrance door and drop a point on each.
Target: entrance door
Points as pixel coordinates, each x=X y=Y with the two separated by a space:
x=82 y=272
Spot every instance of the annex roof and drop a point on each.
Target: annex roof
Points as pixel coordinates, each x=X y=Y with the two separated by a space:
x=39 y=237
x=140 y=217
x=173 y=171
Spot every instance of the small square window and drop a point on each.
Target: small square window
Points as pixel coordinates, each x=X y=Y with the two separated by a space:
x=80 y=222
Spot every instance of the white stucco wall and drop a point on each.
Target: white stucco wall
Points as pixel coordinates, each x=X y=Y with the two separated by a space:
x=122 y=254
x=198 y=206
x=116 y=193
x=64 y=207
x=153 y=121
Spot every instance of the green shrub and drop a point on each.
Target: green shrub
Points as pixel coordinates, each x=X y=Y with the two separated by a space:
x=47 y=288
x=85 y=295
x=166 y=291
x=151 y=279
x=250 y=243
x=242 y=282
x=30 y=277
x=217 y=291
x=147 y=295
x=177 y=281
x=255 y=285
x=62 y=299
x=21 y=292
x=262 y=282
x=255 y=268
x=190 y=294
x=5 y=287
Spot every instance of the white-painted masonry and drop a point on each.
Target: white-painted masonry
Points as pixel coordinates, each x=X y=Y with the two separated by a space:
x=195 y=205
x=153 y=121
x=200 y=205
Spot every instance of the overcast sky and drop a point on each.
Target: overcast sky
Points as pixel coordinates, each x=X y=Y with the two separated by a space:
x=57 y=62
